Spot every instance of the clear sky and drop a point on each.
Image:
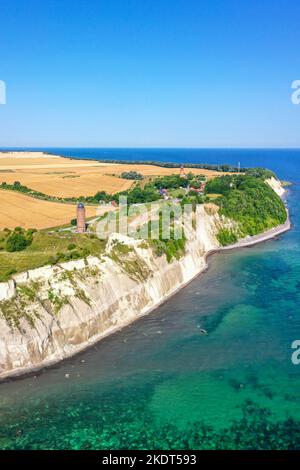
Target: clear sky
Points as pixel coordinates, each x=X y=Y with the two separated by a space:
x=149 y=73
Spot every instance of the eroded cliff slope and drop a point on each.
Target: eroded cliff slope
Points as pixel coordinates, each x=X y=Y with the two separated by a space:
x=51 y=313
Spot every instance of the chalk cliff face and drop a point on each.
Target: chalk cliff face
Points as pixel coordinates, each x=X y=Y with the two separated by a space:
x=50 y=313
x=276 y=186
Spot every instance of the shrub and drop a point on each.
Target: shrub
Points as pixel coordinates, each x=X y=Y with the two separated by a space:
x=85 y=252
x=16 y=242
x=132 y=175
x=30 y=231
x=227 y=237
x=53 y=260
x=10 y=271
x=72 y=246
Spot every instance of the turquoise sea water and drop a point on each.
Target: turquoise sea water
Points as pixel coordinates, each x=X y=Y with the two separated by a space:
x=160 y=384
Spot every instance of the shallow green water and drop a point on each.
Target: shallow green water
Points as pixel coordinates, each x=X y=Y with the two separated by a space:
x=160 y=384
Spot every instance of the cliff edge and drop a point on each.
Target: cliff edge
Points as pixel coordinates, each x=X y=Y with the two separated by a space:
x=51 y=313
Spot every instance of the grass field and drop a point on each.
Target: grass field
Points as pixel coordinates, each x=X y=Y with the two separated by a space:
x=45 y=246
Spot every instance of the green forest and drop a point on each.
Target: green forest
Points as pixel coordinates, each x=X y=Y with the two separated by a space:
x=249 y=201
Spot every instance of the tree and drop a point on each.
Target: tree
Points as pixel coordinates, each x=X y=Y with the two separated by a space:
x=16 y=242
x=132 y=175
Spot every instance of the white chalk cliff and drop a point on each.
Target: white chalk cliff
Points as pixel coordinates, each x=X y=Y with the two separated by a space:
x=276 y=186
x=51 y=313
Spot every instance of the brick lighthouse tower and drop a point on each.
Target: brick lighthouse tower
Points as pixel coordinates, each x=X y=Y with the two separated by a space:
x=81 y=224
x=182 y=172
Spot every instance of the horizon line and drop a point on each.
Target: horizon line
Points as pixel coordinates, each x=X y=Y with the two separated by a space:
x=146 y=148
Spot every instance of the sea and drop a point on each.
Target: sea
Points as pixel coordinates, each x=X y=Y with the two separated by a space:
x=159 y=383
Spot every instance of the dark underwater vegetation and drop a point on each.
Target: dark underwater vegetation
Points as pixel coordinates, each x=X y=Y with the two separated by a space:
x=132 y=427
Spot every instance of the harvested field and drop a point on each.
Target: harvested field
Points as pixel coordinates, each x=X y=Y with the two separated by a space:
x=20 y=210
x=63 y=177
x=72 y=183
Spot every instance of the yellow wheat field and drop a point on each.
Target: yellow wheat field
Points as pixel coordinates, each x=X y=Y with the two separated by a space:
x=63 y=177
x=19 y=210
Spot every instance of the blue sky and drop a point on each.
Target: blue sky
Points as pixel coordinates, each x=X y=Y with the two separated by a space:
x=149 y=73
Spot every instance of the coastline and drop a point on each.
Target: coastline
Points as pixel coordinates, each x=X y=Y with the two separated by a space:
x=107 y=161
x=115 y=308
x=262 y=237
x=243 y=243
